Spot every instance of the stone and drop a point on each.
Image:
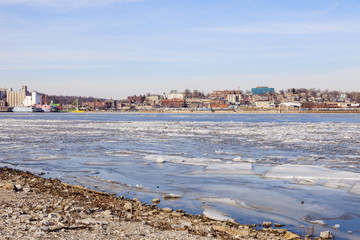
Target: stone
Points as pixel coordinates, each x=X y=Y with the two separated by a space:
x=18 y=187
x=156 y=200
x=9 y=186
x=128 y=206
x=231 y=231
x=53 y=216
x=106 y=213
x=267 y=224
x=326 y=235
x=25 y=218
x=167 y=209
x=280 y=231
x=278 y=225
x=176 y=214
x=290 y=235
x=128 y=216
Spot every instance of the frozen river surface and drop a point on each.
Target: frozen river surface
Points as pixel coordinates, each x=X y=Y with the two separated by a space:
x=300 y=170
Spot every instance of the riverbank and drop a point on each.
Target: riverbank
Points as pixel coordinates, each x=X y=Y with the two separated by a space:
x=264 y=111
x=33 y=207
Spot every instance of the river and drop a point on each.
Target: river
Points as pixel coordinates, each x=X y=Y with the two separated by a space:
x=301 y=170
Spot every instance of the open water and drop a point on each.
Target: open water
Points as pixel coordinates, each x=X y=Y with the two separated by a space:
x=301 y=170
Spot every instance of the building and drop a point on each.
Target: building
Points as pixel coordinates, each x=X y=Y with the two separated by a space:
x=152 y=100
x=264 y=104
x=32 y=100
x=262 y=90
x=173 y=103
x=3 y=107
x=136 y=99
x=234 y=97
x=16 y=98
x=219 y=103
x=175 y=96
x=3 y=93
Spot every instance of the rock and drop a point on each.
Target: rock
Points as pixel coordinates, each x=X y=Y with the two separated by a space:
x=267 y=224
x=231 y=231
x=128 y=206
x=167 y=209
x=326 y=235
x=106 y=213
x=45 y=223
x=156 y=200
x=53 y=216
x=176 y=214
x=9 y=186
x=290 y=235
x=88 y=221
x=128 y=216
x=278 y=225
x=280 y=231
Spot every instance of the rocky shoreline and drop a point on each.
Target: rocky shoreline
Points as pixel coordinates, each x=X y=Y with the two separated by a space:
x=33 y=207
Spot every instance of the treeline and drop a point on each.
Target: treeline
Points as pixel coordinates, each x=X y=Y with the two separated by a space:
x=70 y=99
x=325 y=94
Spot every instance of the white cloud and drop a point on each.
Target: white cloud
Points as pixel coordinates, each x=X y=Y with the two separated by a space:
x=287 y=28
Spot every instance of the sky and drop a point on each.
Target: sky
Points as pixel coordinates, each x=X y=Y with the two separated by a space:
x=117 y=48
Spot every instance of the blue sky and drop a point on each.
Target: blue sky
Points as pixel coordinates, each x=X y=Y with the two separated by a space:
x=115 y=48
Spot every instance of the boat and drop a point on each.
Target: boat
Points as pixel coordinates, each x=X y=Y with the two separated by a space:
x=22 y=109
x=48 y=108
x=37 y=109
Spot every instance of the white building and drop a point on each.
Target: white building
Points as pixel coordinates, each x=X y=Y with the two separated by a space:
x=175 y=96
x=32 y=100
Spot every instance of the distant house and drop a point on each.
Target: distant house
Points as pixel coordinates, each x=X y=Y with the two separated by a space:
x=173 y=103
x=175 y=96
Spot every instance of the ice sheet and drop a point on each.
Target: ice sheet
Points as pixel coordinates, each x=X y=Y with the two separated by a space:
x=311 y=175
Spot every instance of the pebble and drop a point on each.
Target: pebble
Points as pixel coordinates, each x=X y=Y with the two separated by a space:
x=128 y=206
x=9 y=186
x=167 y=209
x=49 y=209
x=267 y=224
x=156 y=200
x=326 y=235
x=290 y=236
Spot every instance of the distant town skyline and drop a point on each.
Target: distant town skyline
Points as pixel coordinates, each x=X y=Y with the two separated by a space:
x=117 y=48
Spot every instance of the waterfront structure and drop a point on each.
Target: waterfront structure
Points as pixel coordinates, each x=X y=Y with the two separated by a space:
x=262 y=90
x=22 y=109
x=33 y=99
x=3 y=93
x=16 y=98
x=3 y=106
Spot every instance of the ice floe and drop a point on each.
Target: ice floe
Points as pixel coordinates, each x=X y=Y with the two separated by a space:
x=311 y=175
x=216 y=214
x=230 y=168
